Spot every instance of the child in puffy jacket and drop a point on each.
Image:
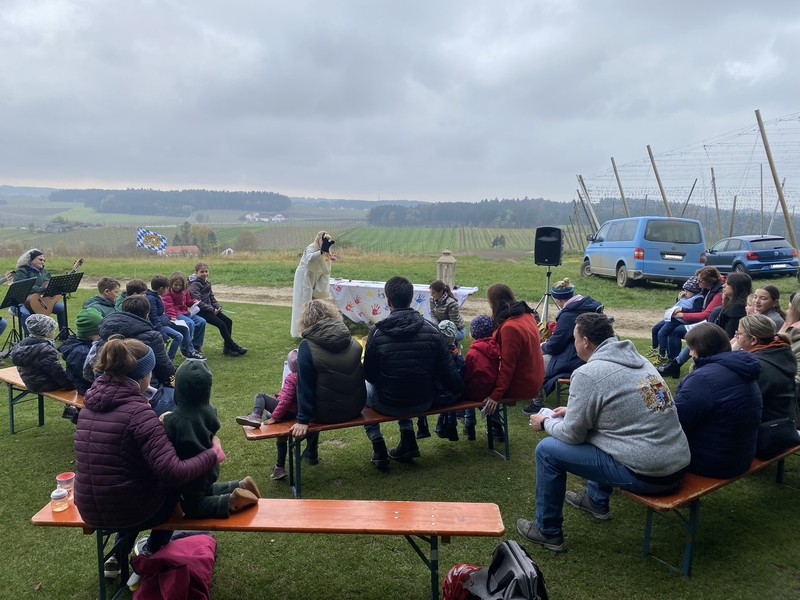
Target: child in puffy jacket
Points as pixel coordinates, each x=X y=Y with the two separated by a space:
x=281 y=407
x=36 y=357
x=483 y=365
x=177 y=302
x=191 y=428
x=447 y=423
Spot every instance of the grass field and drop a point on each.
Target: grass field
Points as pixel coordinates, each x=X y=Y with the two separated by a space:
x=747 y=544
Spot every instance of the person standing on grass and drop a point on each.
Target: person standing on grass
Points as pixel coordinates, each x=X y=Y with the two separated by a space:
x=210 y=309
x=312 y=277
x=521 y=361
x=619 y=429
x=404 y=356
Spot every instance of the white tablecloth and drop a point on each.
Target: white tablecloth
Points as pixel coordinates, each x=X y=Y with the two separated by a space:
x=365 y=301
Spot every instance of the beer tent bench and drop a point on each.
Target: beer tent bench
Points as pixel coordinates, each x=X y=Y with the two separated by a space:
x=368 y=416
x=693 y=487
x=427 y=521
x=18 y=393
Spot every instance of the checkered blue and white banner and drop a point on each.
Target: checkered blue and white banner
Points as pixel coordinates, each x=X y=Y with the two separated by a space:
x=150 y=240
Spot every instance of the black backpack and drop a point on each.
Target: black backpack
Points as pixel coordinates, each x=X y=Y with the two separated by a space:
x=511 y=576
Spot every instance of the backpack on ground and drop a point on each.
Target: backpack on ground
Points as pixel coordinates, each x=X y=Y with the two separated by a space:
x=512 y=575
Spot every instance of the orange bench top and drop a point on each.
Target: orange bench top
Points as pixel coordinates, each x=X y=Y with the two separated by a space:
x=381 y=517
x=696 y=486
x=11 y=377
x=368 y=416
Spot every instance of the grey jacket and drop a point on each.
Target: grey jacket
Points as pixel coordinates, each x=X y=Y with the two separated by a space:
x=619 y=403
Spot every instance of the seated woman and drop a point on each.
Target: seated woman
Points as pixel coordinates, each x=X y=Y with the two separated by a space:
x=711 y=285
x=767 y=302
x=756 y=334
x=521 y=363
x=128 y=471
x=561 y=345
x=330 y=376
x=719 y=404
x=444 y=307
x=791 y=327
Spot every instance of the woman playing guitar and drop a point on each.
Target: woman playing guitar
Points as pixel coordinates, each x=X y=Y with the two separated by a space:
x=31 y=264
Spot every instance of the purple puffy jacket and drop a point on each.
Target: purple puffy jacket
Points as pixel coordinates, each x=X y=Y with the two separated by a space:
x=124 y=460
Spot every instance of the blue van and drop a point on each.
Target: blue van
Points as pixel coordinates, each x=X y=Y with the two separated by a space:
x=645 y=249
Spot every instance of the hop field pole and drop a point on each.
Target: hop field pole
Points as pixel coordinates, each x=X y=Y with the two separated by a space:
x=586 y=212
x=778 y=187
x=689 y=197
x=716 y=203
x=588 y=202
x=733 y=216
x=658 y=179
x=619 y=185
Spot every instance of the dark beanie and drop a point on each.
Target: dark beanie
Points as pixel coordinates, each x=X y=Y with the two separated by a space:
x=34 y=253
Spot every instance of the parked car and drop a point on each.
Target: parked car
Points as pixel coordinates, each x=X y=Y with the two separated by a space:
x=645 y=249
x=754 y=254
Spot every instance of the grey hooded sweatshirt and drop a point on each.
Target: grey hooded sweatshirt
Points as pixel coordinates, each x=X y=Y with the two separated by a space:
x=619 y=403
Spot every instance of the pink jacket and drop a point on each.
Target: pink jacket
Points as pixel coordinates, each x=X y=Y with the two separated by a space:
x=177 y=303
x=287 y=399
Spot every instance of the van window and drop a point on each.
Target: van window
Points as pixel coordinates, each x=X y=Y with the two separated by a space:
x=600 y=236
x=622 y=232
x=673 y=232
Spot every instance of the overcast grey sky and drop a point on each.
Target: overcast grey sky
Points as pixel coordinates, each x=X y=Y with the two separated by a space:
x=426 y=100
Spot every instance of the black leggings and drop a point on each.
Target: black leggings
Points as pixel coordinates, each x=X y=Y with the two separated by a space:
x=222 y=322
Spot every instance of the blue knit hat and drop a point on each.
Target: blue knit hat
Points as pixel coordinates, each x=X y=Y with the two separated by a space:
x=563 y=293
x=143 y=366
x=481 y=326
x=41 y=326
x=692 y=285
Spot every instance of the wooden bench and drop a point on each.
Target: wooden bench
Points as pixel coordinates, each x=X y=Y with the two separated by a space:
x=18 y=393
x=692 y=489
x=427 y=521
x=367 y=417
x=561 y=382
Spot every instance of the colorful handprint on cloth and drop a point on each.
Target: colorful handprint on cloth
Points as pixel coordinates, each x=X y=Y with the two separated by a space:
x=370 y=292
x=358 y=299
x=420 y=298
x=376 y=309
x=349 y=307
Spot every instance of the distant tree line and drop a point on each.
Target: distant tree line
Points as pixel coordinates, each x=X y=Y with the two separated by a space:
x=510 y=213
x=172 y=203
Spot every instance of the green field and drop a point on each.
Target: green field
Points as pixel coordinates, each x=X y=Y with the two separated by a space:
x=746 y=547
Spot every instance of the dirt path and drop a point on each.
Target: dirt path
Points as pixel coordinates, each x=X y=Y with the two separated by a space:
x=628 y=322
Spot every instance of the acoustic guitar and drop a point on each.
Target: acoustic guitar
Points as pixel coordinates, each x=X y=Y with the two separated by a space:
x=38 y=303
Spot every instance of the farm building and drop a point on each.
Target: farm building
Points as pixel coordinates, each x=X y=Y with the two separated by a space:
x=179 y=251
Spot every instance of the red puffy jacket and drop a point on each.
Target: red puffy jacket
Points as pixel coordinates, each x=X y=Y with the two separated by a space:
x=483 y=364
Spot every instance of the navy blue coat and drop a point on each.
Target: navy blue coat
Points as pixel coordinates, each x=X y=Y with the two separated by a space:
x=561 y=345
x=719 y=406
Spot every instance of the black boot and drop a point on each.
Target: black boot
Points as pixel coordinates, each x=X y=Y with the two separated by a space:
x=380 y=457
x=452 y=427
x=241 y=350
x=407 y=449
x=441 y=427
x=230 y=350
x=497 y=431
x=671 y=369
x=469 y=431
x=534 y=407
x=422 y=428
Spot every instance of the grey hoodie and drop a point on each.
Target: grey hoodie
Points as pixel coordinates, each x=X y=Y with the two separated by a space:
x=619 y=403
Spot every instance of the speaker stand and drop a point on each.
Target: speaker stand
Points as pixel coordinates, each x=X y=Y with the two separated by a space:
x=546 y=298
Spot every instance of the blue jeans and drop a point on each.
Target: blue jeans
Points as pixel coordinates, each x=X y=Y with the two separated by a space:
x=180 y=338
x=167 y=401
x=197 y=328
x=661 y=332
x=461 y=334
x=674 y=341
x=554 y=459
x=58 y=314
x=3 y=325
x=683 y=356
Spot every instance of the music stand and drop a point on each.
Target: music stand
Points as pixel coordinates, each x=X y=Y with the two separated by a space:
x=64 y=285
x=15 y=297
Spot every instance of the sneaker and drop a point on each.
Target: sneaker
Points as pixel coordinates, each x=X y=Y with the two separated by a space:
x=660 y=361
x=69 y=412
x=278 y=473
x=111 y=568
x=141 y=549
x=199 y=354
x=133 y=581
x=185 y=354
x=530 y=532
x=196 y=356
x=581 y=501
x=230 y=352
x=534 y=407
x=652 y=353
x=251 y=420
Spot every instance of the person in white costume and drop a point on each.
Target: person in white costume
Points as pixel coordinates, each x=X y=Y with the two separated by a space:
x=312 y=277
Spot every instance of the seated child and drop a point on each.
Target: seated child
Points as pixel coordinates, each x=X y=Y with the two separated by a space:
x=36 y=357
x=103 y=302
x=211 y=311
x=177 y=331
x=191 y=427
x=447 y=423
x=276 y=408
x=74 y=351
x=135 y=287
x=177 y=301
x=482 y=367
x=689 y=300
